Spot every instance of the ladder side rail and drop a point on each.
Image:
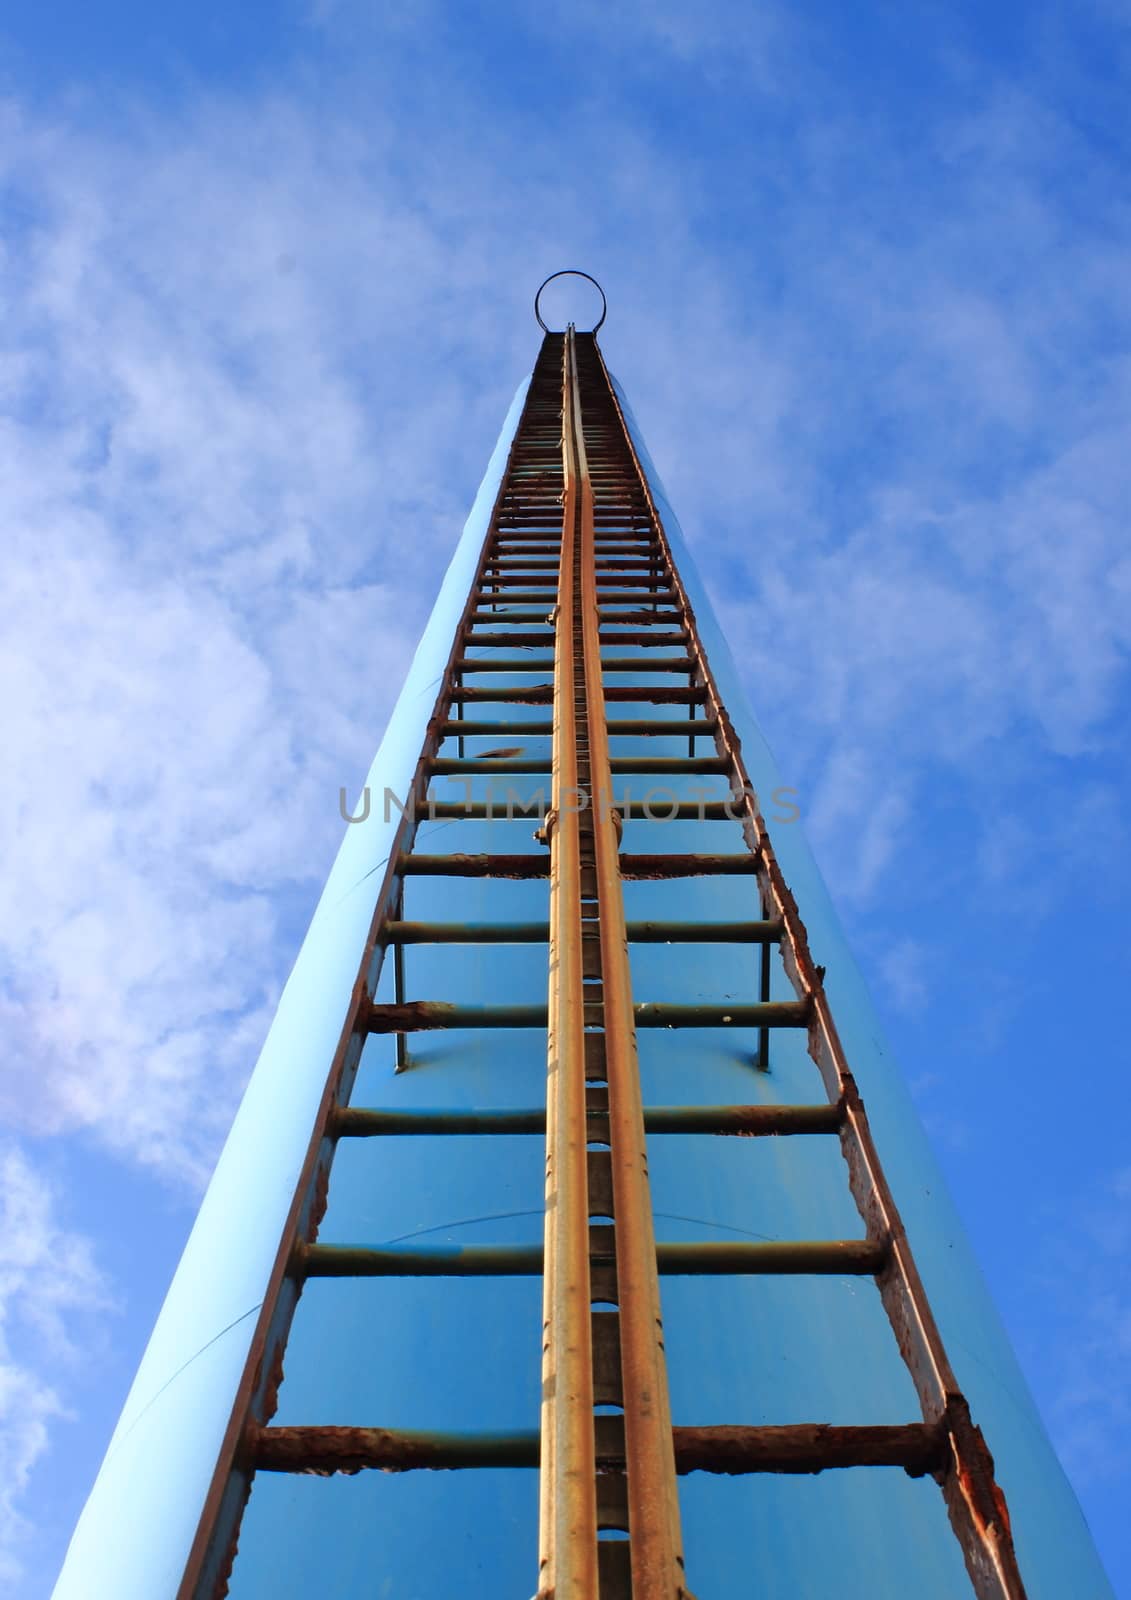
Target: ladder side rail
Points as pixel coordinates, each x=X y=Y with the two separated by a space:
x=567 y=1492
x=653 y=1501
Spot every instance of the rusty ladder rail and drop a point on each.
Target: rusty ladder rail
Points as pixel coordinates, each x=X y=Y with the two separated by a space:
x=592 y=1036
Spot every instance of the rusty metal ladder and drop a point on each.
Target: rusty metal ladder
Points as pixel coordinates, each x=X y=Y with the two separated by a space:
x=577 y=559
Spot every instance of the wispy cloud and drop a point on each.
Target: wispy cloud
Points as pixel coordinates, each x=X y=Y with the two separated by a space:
x=903 y=967
x=196 y=658
x=48 y=1282
x=1088 y=1264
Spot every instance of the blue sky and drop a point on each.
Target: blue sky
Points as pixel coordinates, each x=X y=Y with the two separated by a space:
x=266 y=275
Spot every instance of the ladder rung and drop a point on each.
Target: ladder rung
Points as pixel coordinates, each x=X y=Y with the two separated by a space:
x=761 y=1014
x=819 y=1257
x=608 y=1390
x=471 y=730
x=633 y=580
x=520 y=570
x=423 y=1016
x=803 y=1447
x=455 y=766
x=504 y=664
x=670 y=766
x=636 y=868
x=327 y=1450
x=361 y=1122
x=645 y=664
x=659 y=726
x=396 y=932
x=610 y=664
x=499 y=641
x=511 y=808
x=527 y=563
x=475 y=866
x=399 y=932
x=759 y=1121
x=917 y=1447
x=641 y=867
x=767 y=932
x=639 y=637
x=533 y=694
x=652 y=618
x=542 y=694
x=492 y=582
x=655 y=694
x=495 y=589
x=641 y=594
x=509 y=616
x=823 y=1257
x=418 y=1261
x=656 y=580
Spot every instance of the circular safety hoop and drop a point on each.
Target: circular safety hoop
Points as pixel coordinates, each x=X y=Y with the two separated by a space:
x=571 y=272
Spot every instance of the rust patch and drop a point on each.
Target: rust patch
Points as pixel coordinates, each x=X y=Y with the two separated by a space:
x=319 y=1199
x=224 y=1574
x=274 y=1383
x=975 y=1469
x=412 y=1016
x=810 y=1447
x=322 y=1452
x=654 y=867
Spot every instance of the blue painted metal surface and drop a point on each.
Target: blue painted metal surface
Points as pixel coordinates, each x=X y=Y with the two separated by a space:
x=463 y=1354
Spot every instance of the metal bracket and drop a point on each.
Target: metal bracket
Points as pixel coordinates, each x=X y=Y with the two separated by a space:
x=571 y=272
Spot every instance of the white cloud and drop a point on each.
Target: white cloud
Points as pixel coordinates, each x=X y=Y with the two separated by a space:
x=855 y=817
x=1088 y=1258
x=154 y=775
x=194 y=660
x=903 y=971
x=48 y=1279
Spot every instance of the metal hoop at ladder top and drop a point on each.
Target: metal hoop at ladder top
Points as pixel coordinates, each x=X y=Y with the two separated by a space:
x=571 y=272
